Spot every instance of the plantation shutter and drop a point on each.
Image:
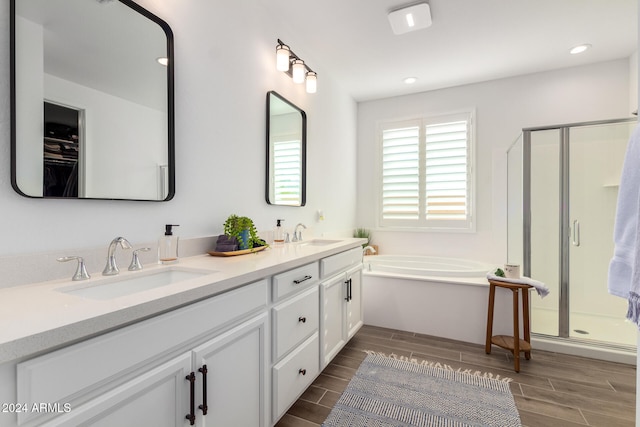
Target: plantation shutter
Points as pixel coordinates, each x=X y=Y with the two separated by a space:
x=287 y=173
x=426 y=174
x=401 y=173
x=446 y=171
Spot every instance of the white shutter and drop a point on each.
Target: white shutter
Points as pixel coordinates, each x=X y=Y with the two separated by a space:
x=401 y=173
x=446 y=171
x=287 y=172
x=426 y=174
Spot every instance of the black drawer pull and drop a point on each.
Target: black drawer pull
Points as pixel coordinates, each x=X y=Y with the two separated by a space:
x=192 y=415
x=302 y=319
x=302 y=371
x=298 y=281
x=204 y=406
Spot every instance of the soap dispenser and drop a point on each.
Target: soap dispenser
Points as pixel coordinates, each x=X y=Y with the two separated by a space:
x=278 y=234
x=168 y=246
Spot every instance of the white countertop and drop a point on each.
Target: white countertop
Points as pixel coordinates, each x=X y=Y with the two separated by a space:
x=39 y=317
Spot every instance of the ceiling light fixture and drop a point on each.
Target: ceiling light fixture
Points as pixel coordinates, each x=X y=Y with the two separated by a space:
x=410 y=21
x=410 y=80
x=290 y=63
x=410 y=18
x=163 y=60
x=580 y=48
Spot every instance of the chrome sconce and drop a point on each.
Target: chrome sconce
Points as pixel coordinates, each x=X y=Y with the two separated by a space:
x=290 y=63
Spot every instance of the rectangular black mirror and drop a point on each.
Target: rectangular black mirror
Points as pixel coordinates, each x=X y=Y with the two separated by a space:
x=286 y=152
x=91 y=101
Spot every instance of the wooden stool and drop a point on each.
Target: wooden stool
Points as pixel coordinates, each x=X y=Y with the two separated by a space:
x=514 y=343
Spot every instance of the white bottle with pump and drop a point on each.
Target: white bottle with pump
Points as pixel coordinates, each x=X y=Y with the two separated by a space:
x=168 y=246
x=278 y=234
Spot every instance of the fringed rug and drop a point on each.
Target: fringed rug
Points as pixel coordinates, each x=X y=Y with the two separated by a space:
x=393 y=391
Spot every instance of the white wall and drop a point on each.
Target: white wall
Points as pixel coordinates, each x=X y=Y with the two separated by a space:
x=503 y=108
x=224 y=66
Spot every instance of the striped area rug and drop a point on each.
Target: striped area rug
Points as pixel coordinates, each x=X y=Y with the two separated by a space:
x=388 y=391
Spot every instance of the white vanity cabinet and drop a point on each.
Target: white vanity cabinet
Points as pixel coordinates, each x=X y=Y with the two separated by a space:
x=240 y=357
x=341 y=301
x=141 y=374
x=295 y=320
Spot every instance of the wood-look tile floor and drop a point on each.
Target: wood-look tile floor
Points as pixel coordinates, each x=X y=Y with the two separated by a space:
x=550 y=390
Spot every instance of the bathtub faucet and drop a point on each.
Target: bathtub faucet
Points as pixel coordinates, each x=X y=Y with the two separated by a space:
x=368 y=250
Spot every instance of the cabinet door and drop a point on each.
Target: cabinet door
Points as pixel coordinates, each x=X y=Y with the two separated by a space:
x=354 y=303
x=236 y=381
x=156 y=398
x=332 y=332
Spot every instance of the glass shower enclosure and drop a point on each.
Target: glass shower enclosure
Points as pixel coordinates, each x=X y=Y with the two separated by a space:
x=562 y=194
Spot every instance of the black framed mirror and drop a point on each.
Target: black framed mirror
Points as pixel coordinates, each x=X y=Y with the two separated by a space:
x=91 y=101
x=286 y=152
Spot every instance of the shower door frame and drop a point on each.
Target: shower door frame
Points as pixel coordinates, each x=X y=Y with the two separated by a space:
x=564 y=217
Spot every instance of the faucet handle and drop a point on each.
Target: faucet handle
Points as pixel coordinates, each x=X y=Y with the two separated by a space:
x=81 y=271
x=135 y=261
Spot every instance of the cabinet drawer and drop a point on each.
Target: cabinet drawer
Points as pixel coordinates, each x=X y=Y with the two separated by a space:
x=83 y=370
x=294 y=280
x=294 y=320
x=338 y=262
x=294 y=374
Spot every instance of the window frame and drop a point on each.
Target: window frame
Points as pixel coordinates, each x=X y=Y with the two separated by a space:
x=467 y=225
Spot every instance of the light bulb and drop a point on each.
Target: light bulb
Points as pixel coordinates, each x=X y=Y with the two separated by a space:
x=282 y=57
x=312 y=82
x=298 y=71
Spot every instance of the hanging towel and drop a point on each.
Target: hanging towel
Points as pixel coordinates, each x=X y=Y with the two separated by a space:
x=540 y=287
x=624 y=268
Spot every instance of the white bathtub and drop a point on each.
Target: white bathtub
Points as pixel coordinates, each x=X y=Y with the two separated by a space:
x=407 y=265
x=443 y=297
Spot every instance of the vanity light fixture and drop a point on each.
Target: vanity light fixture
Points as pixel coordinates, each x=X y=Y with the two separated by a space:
x=297 y=70
x=295 y=67
x=282 y=57
x=312 y=82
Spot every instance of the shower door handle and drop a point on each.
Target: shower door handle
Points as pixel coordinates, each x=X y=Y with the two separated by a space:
x=576 y=233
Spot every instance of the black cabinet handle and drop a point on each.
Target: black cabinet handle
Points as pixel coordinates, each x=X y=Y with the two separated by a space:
x=302 y=319
x=204 y=406
x=305 y=278
x=192 y=388
x=348 y=283
x=350 y=290
x=302 y=371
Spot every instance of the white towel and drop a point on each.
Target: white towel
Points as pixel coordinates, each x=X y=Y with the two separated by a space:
x=540 y=287
x=624 y=268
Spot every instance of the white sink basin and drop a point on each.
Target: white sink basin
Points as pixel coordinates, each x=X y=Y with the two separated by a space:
x=118 y=286
x=320 y=242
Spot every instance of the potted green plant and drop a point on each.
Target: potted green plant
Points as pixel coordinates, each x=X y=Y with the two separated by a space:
x=363 y=233
x=243 y=229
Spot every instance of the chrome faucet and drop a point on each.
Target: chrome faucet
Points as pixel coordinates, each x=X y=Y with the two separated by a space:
x=297 y=235
x=111 y=269
x=81 y=270
x=368 y=250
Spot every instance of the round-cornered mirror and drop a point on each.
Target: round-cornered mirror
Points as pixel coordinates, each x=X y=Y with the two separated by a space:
x=91 y=101
x=286 y=152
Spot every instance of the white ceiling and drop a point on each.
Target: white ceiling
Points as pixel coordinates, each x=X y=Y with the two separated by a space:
x=470 y=40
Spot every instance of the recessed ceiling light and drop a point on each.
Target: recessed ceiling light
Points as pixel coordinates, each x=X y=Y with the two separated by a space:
x=410 y=18
x=163 y=61
x=580 y=48
x=410 y=80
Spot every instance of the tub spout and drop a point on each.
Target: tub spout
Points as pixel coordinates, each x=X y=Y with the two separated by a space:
x=368 y=250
